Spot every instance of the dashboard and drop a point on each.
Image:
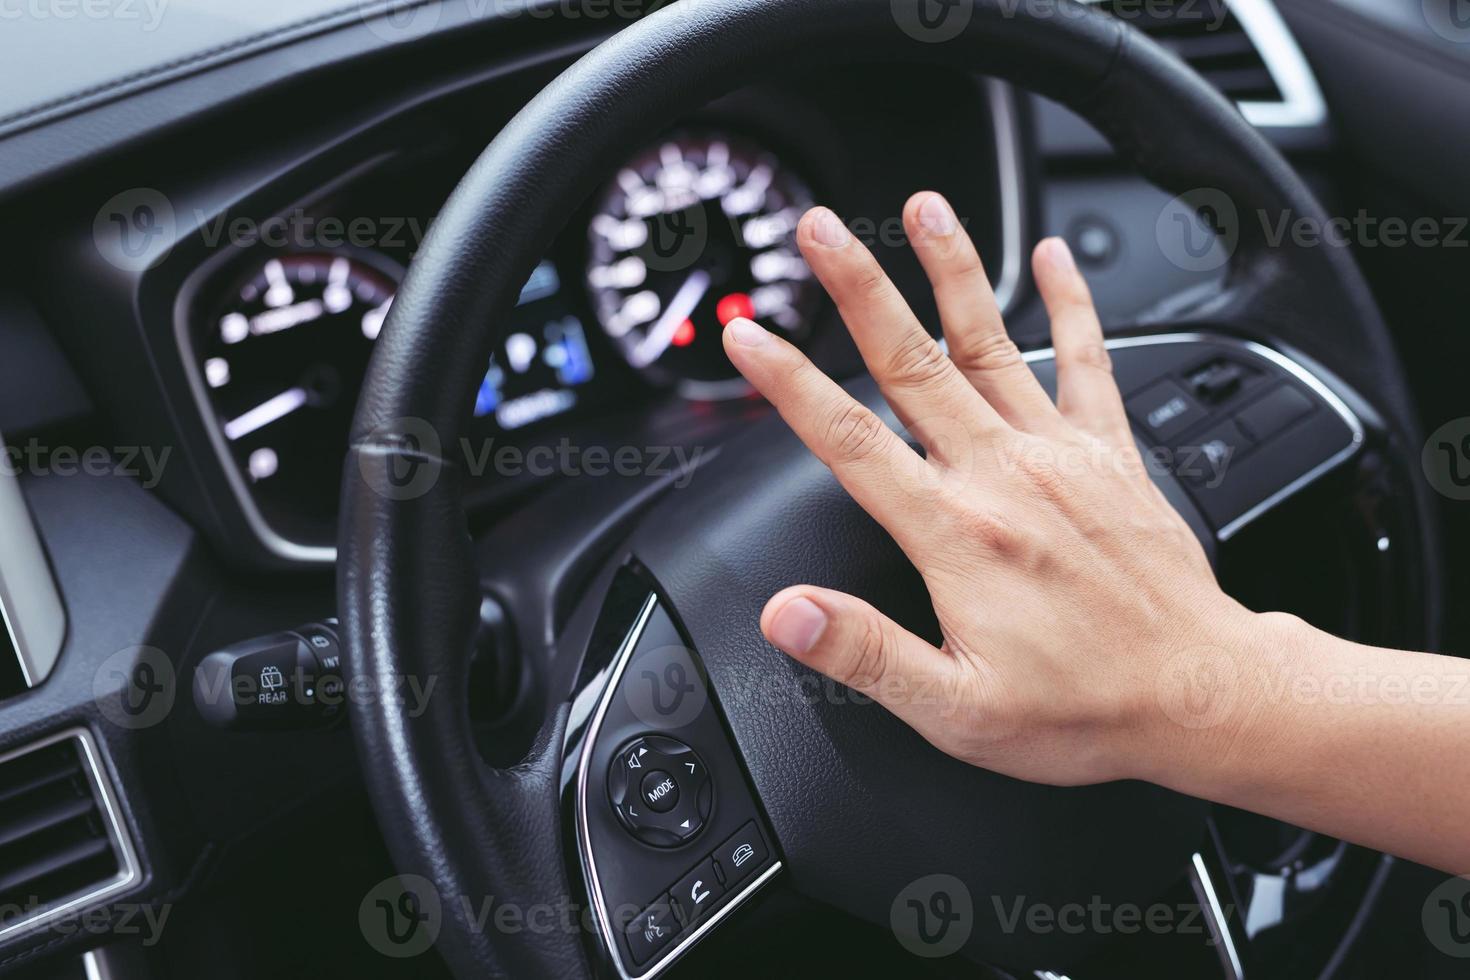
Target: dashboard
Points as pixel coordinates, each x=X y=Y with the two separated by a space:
x=277 y=192
x=689 y=234
x=616 y=337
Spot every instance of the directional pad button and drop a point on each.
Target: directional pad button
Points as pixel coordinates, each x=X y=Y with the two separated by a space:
x=660 y=790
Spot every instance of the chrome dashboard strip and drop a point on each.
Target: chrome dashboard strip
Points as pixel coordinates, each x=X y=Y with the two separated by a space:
x=1219 y=923
x=1302 y=102
x=584 y=839
x=30 y=606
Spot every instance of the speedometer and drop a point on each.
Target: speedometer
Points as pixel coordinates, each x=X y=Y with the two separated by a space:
x=690 y=234
x=281 y=359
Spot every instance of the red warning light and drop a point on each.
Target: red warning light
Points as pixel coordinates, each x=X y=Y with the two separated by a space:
x=734 y=305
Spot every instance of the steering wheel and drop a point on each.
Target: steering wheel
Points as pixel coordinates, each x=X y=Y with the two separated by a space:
x=829 y=791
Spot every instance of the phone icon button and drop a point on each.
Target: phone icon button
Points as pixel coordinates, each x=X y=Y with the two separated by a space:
x=698 y=891
x=742 y=854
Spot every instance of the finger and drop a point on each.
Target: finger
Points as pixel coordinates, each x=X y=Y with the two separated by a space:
x=978 y=342
x=856 y=645
x=1087 y=395
x=916 y=377
x=887 y=478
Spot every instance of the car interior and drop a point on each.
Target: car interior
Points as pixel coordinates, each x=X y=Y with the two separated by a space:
x=384 y=530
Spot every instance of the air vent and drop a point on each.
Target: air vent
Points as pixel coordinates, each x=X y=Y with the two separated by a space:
x=1242 y=47
x=1208 y=35
x=60 y=843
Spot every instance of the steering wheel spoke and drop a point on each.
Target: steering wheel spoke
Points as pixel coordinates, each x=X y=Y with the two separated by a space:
x=1236 y=426
x=668 y=834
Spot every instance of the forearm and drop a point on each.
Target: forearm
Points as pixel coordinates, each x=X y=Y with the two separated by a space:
x=1365 y=744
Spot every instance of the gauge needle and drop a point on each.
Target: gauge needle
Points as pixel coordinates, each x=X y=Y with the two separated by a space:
x=265 y=413
x=658 y=339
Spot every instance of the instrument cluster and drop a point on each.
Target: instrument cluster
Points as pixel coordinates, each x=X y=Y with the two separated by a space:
x=628 y=308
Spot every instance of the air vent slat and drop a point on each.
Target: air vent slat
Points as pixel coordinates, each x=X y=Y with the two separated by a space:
x=1212 y=46
x=58 y=845
x=38 y=782
x=78 y=853
x=16 y=830
x=1243 y=83
x=1210 y=38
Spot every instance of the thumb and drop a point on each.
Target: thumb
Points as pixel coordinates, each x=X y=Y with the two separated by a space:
x=856 y=645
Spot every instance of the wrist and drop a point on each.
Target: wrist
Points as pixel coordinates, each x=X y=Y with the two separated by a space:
x=1215 y=701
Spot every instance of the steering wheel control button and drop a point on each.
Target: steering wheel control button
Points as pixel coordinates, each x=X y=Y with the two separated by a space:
x=660 y=790
x=742 y=854
x=697 y=892
x=1206 y=458
x=330 y=694
x=1274 y=413
x=1165 y=410
x=651 y=930
x=1215 y=382
x=289 y=680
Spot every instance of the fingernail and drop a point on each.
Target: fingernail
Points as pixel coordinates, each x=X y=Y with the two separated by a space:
x=798 y=625
x=747 y=333
x=936 y=215
x=1059 y=255
x=828 y=229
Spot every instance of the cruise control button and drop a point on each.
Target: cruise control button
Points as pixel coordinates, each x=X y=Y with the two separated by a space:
x=1264 y=418
x=1208 y=457
x=742 y=854
x=660 y=792
x=651 y=930
x=1166 y=410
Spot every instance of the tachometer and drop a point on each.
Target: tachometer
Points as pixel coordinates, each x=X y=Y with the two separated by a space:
x=690 y=234
x=282 y=359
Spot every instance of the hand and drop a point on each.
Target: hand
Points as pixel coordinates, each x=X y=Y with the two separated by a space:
x=1063 y=581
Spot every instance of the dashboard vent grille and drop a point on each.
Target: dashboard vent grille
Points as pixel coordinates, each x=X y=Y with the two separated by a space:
x=59 y=842
x=1210 y=37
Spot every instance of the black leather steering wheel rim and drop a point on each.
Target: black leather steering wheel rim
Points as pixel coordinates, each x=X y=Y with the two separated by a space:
x=406 y=575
